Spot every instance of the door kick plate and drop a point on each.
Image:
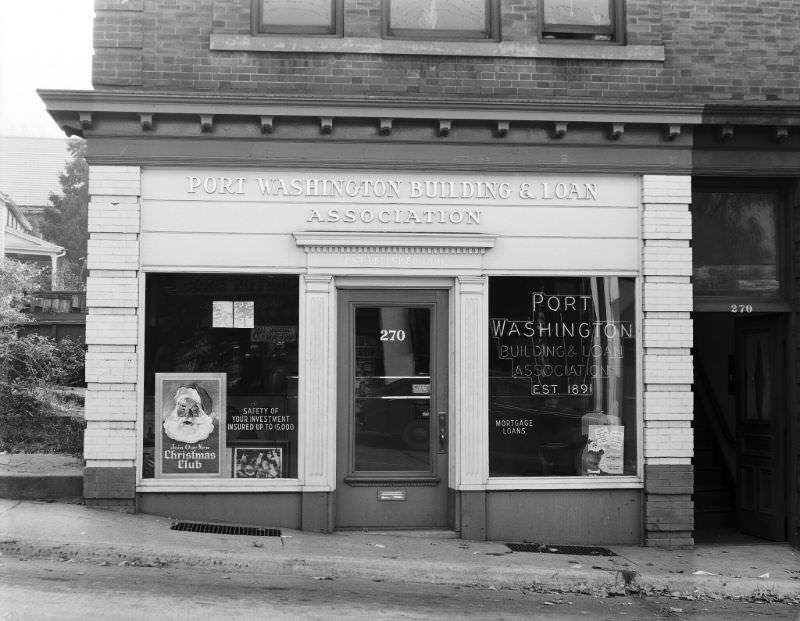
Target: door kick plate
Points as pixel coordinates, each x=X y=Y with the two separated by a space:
x=392 y=494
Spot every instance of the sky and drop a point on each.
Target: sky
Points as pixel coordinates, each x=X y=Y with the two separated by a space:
x=43 y=44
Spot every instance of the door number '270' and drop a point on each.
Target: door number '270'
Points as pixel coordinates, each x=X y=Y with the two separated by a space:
x=393 y=335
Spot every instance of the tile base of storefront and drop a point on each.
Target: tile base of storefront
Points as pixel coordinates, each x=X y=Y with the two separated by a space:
x=109 y=483
x=317 y=512
x=669 y=514
x=110 y=488
x=280 y=510
x=673 y=540
x=123 y=505
x=586 y=517
x=471 y=515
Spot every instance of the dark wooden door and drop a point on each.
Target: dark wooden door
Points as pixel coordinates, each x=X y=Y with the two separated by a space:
x=760 y=429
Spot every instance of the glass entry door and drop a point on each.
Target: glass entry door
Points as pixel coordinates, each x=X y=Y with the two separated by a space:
x=393 y=418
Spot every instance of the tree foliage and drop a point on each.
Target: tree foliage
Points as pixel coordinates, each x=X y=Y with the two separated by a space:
x=66 y=223
x=17 y=280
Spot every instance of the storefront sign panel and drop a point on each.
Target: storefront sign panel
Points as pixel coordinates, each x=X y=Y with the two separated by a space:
x=417 y=188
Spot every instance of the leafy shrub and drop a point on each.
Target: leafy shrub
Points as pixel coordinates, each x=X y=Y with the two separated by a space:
x=32 y=368
x=41 y=434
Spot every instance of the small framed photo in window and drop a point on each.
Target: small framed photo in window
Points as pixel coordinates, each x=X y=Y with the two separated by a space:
x=258 y=462
x=190 y=424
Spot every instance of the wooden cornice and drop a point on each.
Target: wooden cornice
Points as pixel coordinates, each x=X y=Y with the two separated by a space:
x=65 y=106
x=610 y=136
x=774 y=113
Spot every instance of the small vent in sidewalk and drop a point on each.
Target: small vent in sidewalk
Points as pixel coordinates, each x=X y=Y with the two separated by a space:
x=225 y=529
x=546 y=548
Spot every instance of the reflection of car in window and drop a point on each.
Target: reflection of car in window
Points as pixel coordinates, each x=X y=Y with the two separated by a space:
x=397 y=408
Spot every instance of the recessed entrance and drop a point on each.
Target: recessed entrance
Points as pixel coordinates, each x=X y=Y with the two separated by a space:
x=741 y=285
x=392 y=435
x=740 y=425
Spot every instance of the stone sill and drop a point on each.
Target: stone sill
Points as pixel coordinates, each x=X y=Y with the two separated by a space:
x=223 y=42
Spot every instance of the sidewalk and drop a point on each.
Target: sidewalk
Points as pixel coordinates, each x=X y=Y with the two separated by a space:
x=72 y=531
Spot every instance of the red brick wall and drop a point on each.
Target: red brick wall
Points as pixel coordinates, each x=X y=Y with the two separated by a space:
x=715 y=50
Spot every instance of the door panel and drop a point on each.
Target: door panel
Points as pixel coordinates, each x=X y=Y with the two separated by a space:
x=391 y=462
x=761 y=507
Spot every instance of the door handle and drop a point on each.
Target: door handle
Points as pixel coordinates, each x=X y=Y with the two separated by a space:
x=442 y=432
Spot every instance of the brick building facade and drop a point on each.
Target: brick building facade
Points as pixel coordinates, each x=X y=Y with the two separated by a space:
x=351 y=164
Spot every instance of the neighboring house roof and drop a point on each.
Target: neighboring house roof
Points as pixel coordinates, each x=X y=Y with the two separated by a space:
x=18 y=239
x=18 y=242
x=29 y=168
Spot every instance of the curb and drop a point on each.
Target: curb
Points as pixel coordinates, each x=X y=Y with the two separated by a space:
x=601 y=582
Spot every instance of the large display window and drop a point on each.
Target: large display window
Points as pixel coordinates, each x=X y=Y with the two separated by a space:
x=220 y=385
x=562 y=377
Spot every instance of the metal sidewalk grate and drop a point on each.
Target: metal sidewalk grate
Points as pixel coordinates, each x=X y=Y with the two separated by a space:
x=546 y=548
x=225 y=529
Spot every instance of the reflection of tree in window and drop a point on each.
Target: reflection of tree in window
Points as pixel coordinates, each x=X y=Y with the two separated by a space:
x=735 y=243
x=734 y=228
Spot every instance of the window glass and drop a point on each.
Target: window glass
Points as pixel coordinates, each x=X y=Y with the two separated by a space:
x=735 y=244
x=581 y=19
x=392 y=389
x=220 y=376
x=431 y=19
x=562 y=376
x=297 y=16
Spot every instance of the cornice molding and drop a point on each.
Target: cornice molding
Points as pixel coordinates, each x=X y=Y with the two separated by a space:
x=554 y=110
x=314 y=242
x=778 y=113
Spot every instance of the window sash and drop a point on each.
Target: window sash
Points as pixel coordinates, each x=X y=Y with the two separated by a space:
x=332 y=28
x=611 y=32
x=490 y=29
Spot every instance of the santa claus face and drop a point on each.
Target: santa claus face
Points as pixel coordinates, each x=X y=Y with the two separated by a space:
x=187 y=422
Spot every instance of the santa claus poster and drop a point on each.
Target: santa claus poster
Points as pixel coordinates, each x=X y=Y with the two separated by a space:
x=190 y=424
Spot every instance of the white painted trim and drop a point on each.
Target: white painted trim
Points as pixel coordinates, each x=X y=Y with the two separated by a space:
x=393 y=282
x=547 y=483
x=139 y=389
x=317 y=368
x=109 y=463
x=215 y=269
x=639 y=318
x=218 y=485
x=561 y=273
x=469 y=428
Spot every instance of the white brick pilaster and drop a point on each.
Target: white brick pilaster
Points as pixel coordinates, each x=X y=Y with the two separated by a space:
x=111 y=323
x=667 y=329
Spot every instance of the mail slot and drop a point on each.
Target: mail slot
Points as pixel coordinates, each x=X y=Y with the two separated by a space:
x=392 y=494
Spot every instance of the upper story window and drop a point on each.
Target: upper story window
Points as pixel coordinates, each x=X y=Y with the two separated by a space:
x=583 y=20
x=432 y=19
x=302 y=17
